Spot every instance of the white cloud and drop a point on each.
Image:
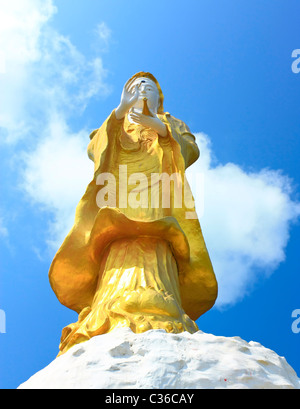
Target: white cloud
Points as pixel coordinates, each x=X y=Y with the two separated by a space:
x=44 y=72
x=246 y=221
x=46 y=81
x=104 y=33
x=56 y=175
x=21 y=24
x=3 y=229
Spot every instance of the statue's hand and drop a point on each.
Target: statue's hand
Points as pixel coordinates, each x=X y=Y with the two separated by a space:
x=128 y=99
x=150 y=122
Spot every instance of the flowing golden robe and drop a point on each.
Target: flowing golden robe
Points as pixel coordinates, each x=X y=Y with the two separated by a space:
x=138 y=267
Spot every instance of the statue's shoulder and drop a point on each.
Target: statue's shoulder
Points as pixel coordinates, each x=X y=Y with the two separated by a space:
x=92 y=134
x=110 y=123
x=179 y=125
x=168 y=117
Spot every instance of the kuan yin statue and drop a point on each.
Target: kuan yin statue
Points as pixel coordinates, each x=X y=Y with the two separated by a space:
x=136 y=256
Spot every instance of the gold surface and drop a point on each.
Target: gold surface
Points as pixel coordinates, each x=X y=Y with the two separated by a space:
x=143 y=267
x=146 y=108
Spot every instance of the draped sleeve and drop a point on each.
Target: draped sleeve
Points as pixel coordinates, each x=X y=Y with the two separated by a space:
x=182 y=134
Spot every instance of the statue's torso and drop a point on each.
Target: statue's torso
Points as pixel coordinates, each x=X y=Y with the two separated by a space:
x=141 y=155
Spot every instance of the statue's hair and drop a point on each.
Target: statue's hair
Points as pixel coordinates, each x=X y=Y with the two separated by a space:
x=143 y=74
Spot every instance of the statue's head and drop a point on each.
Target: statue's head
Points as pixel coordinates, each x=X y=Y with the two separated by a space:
x=149 y=88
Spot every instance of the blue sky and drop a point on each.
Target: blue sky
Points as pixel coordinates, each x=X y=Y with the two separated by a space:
x=225 y=69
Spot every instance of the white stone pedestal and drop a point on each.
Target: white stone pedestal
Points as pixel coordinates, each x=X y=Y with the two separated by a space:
x=158 y=360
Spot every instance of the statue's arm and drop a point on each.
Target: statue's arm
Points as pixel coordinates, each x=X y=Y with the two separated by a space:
x=90 y=150
x=191 y=148
x=107 y=128
x=187 y=141
x=150 y=122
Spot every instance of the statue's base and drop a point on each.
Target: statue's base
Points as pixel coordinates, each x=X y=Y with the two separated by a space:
x=159 y=360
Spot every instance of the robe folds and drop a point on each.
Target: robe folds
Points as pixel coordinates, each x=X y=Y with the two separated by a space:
x=81 y=262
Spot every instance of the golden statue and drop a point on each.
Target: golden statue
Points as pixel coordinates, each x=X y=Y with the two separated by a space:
x=135 y=256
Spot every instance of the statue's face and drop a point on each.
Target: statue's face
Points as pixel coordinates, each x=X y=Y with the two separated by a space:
x=147 y=89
